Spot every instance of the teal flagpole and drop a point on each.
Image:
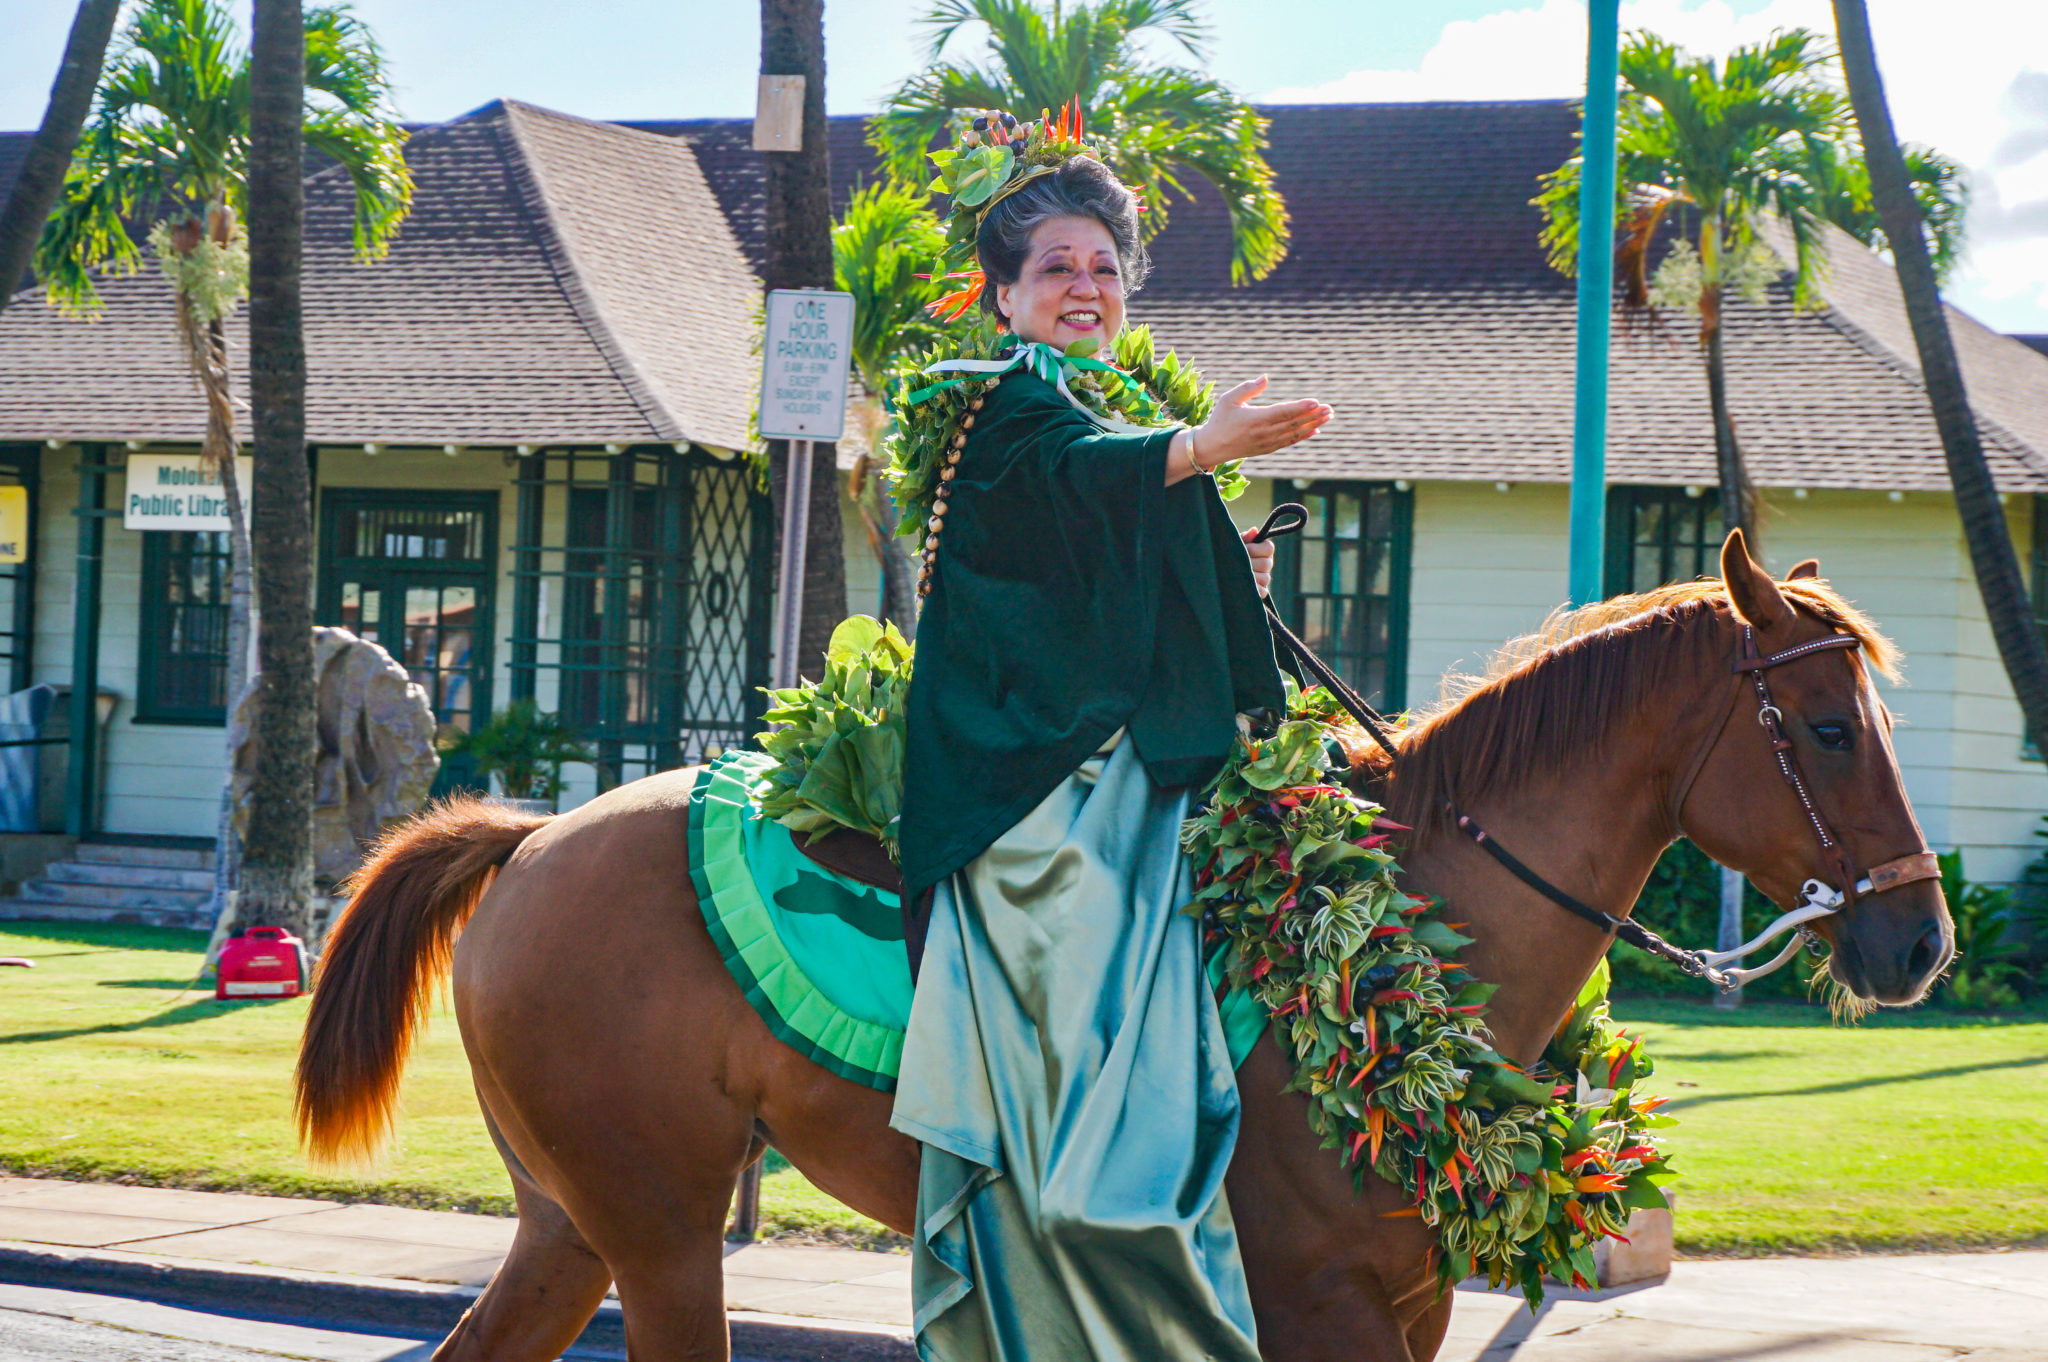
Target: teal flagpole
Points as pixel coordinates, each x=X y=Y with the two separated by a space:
x=1596 y=303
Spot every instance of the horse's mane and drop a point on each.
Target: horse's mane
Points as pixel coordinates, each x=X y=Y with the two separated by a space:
x=1548 y=699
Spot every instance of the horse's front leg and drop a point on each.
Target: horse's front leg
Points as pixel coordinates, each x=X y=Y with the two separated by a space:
x=1332 y=1278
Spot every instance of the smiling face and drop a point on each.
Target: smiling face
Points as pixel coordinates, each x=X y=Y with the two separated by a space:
x=1071 y=286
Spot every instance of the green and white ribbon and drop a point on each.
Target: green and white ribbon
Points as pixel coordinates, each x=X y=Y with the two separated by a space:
x=1036 y=357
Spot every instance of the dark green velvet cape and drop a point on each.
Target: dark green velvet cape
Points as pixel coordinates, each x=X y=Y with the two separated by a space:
x=1075 y=593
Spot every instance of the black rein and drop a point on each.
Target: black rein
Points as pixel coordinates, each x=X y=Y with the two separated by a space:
x=1289 y=518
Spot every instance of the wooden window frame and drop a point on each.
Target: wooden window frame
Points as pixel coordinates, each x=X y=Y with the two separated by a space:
x=21 y=465
x=1290 y=595
x=155 y=620
x=1623 y=505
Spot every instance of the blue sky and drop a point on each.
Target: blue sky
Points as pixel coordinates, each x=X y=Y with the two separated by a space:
x=1968 y=76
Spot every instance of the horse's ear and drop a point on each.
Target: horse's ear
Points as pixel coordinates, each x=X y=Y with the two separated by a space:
x=1802 y=571
x=1756 y=598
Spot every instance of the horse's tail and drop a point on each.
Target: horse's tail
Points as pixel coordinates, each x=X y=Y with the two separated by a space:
x=389 y=947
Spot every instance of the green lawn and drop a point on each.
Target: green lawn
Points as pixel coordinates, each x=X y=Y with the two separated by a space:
x=1912 y=1129
x=114 y=1067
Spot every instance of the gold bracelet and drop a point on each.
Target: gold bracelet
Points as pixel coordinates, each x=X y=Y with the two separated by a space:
x=1193 y=467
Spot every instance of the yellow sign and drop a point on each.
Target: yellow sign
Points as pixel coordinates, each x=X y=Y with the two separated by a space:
x=13 y=524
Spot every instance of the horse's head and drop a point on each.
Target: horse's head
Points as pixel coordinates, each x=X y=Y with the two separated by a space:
x=1890 y=943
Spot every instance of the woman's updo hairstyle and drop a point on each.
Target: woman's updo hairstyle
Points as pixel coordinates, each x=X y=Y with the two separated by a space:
x=1082 y=187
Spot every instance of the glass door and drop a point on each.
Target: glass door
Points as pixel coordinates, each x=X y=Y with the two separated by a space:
x=414 y=574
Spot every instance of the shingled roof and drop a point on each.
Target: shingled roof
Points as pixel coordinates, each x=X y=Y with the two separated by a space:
x=539 y=294
x=559 y=280
x=1416 y=299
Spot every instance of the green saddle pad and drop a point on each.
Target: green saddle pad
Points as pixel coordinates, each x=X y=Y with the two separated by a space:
x=820 y=957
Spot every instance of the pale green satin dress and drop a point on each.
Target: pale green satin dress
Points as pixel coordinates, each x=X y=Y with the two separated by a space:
x=1070 y=1081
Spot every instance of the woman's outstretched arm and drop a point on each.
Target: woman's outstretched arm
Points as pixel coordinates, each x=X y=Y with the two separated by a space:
x=1239 y=430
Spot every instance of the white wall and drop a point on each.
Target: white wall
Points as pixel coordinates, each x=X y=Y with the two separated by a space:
x=166 y=778
x=158 y=778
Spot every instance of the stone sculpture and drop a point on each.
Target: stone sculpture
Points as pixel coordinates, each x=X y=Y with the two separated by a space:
x=377 y=759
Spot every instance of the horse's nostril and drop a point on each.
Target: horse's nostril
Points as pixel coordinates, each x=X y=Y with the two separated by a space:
x=1928 y=953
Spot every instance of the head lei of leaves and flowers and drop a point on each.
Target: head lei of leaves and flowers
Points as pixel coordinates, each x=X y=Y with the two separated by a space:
x=994 y=154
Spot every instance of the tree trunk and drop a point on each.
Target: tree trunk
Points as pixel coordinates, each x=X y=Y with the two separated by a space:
x=1738 y=497
x=219 y=452
x=277 y=859
x=899 y=571
x=799 y=255
x=1999 y=580
x=49 y=153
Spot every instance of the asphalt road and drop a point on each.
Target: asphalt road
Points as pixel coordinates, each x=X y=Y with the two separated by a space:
x=44 y=1324
x=38 y=1324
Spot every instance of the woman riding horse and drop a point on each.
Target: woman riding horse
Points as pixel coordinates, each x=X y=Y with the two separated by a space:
x=1091 y=630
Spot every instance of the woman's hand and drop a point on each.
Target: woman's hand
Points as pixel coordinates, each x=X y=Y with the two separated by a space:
x=1262 y=560
x=1239 y=430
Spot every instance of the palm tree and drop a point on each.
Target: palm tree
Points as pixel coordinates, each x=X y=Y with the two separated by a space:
x=1726 y=144
x=277 y=859
x=1169 y=124
x=169 y=139
x=49 y=152
x=2020 y=644
x=798 y=254
x=880 y=249
x=1938 y=188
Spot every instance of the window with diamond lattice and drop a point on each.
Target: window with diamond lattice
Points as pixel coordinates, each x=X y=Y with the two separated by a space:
x=1342 y=583
x=1660 y=535
x=640 y=602
x=18 y=465
x=183 y=678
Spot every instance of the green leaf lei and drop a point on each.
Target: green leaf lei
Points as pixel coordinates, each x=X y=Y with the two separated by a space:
x=1140 y=388
x=1519 y=1171
x=839 y=747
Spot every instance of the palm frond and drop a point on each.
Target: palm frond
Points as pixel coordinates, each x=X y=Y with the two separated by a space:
x=919 y=111
x=1179 y=20
x=886 y=240
x=372 y=155
x=170 y=133
x=1175 y=124
x=1765 y=132
x=1171 y=125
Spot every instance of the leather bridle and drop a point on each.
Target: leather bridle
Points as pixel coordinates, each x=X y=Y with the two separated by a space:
x=1816 y=899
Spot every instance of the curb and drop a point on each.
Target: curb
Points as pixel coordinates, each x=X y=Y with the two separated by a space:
x=401 y=1308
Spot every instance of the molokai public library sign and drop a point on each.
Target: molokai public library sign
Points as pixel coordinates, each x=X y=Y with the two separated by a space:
x=177 y=492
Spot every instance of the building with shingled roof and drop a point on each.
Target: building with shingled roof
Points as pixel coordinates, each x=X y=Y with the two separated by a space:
x=527 y=426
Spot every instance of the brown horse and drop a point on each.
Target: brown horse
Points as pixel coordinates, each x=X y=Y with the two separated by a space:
x=627 y=1082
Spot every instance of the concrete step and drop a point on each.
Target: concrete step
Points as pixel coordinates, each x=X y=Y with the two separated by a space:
x=113 y=853
x=47 y=910
x=146 y=876
x=113 y=895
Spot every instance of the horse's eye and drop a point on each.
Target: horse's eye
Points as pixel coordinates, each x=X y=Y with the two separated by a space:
x=1833 y=737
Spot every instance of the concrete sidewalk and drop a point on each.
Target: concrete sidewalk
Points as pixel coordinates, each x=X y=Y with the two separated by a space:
x=426 y=1265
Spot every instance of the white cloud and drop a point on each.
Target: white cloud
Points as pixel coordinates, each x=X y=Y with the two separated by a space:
x=1969 y=77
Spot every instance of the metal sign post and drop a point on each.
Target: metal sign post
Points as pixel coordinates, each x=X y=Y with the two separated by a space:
x=789 y=580
x=805 y=351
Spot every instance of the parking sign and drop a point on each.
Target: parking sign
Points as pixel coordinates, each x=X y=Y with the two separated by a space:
x=804 y=358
